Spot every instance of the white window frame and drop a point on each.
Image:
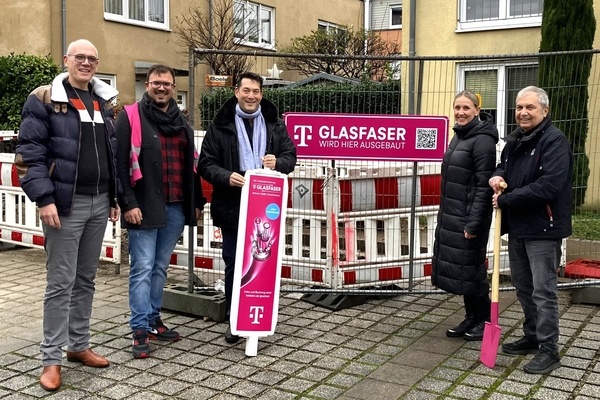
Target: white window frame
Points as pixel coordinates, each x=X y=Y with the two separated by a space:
x=328 y=26
x=124 y=17
x=181 y=99
x=504 y=21
x=393 y=7
x=259 y=10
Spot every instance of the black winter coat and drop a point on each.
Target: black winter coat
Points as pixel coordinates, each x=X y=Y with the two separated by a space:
x=538 y=168
x=219 y=158
x=49 y=144
x=459 y=265
x=147 y=194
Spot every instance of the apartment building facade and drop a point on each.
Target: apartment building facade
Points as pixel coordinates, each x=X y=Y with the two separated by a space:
x=131 y=35
x=462 y=28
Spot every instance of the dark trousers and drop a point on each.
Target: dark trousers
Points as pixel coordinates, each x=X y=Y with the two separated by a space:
x=229 y=251
x=478 y=307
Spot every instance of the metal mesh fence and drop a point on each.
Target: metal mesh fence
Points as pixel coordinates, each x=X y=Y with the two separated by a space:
x=381 y=238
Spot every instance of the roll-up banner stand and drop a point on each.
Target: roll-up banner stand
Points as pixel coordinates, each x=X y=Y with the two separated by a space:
x=260 y=246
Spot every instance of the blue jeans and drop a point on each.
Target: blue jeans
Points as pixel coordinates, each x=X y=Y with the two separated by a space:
x=150 y=251
x=533 y=265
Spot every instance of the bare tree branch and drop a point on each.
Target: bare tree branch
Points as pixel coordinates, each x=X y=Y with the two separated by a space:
x=196 y=30
x=344 y=41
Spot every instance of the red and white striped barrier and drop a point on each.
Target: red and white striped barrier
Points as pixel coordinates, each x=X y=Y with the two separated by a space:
x=371 y=203
x=19 y=219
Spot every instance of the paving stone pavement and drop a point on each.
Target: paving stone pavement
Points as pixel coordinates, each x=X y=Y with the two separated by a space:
x=391 y=348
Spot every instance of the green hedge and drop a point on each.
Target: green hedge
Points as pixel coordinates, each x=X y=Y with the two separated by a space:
x=364 y=98
x=19 y=75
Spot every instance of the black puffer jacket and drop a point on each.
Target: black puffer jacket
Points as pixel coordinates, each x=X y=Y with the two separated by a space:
x=47 y=155
x=538 y=168
x=465 y=205
x=219 y=158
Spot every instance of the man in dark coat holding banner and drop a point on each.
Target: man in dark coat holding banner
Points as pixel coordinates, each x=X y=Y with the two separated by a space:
x=246 y=134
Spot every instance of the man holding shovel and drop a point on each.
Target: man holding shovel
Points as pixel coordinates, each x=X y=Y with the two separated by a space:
x=537 y=165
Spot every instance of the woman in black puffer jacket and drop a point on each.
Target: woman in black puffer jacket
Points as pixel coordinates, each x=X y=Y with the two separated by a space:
x=465 y=214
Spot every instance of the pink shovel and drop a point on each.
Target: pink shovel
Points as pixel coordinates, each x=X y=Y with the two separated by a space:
x=492 y=331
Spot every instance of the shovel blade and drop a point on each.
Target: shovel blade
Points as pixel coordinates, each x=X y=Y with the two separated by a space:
x=490 y=343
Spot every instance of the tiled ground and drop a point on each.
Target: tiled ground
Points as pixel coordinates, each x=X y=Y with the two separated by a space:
x=392 y=348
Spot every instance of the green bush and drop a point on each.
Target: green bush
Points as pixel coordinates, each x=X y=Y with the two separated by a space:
x=364 y=98
x=19 y=75
x=586 y=225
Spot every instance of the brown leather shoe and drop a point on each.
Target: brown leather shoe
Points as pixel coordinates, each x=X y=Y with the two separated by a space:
x=50 y=378
x=88 y=357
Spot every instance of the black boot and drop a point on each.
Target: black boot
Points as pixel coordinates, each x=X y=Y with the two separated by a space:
x=476 y=332
x=482 y=306
x=469 y=321
x=460 y=330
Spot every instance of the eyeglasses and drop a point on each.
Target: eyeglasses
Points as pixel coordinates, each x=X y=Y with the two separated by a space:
x=80 y=58
x=158 y=84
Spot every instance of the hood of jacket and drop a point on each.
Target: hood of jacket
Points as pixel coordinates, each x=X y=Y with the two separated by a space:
x=484 y=125
x=100 y=88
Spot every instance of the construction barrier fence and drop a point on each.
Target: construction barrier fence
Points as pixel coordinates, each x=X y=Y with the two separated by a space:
x=366 y=226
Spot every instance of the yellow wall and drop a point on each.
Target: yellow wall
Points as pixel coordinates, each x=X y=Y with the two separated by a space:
x=25 y=27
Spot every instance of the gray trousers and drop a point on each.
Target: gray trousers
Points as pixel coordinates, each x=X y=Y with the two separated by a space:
x=72 y=252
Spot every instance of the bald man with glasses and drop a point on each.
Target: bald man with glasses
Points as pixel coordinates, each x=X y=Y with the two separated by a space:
x=66 y=158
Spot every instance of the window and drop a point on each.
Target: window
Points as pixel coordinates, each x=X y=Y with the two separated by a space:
x=330 y=27
x=334 y=39
x=149 y=13
x=498 y=86
x=395 y=17
x=254 y=24
x=182 y=100
x=499 y=14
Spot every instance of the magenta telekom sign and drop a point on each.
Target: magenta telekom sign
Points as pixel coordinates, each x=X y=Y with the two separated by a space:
x=368 y=136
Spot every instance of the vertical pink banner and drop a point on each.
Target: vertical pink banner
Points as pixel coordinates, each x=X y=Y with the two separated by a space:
x=255 y=297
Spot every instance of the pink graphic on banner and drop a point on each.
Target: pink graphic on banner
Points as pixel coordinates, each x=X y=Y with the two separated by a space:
x=368 y=136
x=261 y=252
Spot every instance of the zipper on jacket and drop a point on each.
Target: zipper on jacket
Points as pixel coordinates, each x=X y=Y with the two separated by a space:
x=76 y=164
x=550 y=217
x=97 y=158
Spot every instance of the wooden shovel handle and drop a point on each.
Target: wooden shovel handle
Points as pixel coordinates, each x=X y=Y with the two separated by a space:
x=497 y=236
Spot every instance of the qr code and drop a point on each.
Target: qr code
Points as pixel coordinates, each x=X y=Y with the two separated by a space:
x=427 y=138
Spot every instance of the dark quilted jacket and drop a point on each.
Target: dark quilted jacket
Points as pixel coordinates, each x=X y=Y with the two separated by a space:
x=49 y=138
x=538 y=169
x=466 y=205
x=220 y=157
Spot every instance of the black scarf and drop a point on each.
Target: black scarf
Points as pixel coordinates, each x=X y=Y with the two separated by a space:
x=170 y=122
